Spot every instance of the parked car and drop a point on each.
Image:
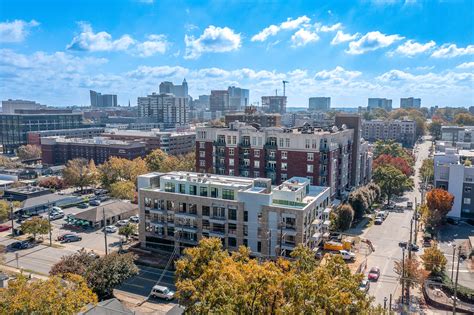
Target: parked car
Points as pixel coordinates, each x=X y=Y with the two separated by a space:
x=56 y=216
x=110 y=229
x=21 y=245
x=122 y=222
x=83 y=206
x=4 y=228
x=94 y=202
x=162 y=292
x=378 y=221
x=452 y=221
x=364 y=285
x=56 y=209
x=347 y=255
x=134 y=218
x=409 y=205
x=414 y=247
x=71 y=238
x=374 y=274
x=63 y=236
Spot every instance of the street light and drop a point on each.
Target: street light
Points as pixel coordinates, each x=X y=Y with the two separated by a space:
x=385 y=303
x=452 y=266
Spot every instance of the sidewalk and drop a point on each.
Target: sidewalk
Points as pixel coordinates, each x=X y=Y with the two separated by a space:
x=11 y=270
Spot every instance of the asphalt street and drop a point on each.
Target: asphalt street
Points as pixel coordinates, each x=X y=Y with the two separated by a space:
x=142 y=283
x=385 y=238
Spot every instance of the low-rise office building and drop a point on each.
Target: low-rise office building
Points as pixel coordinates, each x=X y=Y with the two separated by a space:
x=179 y=209
x=403 y=131
x=34 y=137
x=59 y=150
x=453 y=171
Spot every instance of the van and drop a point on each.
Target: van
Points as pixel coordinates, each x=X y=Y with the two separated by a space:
x=162 y=292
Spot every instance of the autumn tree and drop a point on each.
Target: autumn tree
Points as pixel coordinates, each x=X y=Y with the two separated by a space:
x=159 y=161
x=393 y=149
x=34 y=226
x=439 y=202
x=433 y=259
x=76 y=263
x=54 y=183
x=397 y=162
x=414 y=276
x=391 y=181
x=464 y=119
x=128 y=230
x=123 y=190
x=345 y=216
x=155 y=160
x=51 y=296
x=80 y=173
x=118 y=169
x=4 y=210
x=28 y=152
x=211 y=280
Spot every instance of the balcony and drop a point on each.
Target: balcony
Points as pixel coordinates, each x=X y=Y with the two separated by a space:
x=215 y=233
x=244 y=144
x=186 y=228
x=271 y=169
x=270 y=145
x=219 y=143
x=269 y=157
x=192 y=241
x=216 y=219
x=185 y=215
x=157 y=210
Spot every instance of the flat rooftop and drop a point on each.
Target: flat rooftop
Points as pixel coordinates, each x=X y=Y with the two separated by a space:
x=95 y=140
x=147 y=134
x=230 y=181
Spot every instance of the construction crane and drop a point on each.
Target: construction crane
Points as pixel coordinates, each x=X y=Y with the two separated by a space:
x=284 y=86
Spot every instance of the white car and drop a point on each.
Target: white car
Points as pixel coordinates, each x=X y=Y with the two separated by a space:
x=134 y=219
x=162 y=292
x=110 y=229
x=122 y=222
x=57 y=210
x=346 y=255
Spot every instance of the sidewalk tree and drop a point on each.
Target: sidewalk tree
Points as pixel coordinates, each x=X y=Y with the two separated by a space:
x=439 y=202
x=128 y=230
x=359 y=203
x=435 y=128
x=391 y=181
x=210 y=279
x=123 y=190
x=433 y=259
x=427 y=170
x=415 y=275
x=51 y=296
x=398 y=162
x=80 y=173
x=376 y=190
x=34 y=226
x=4 y=210
x=76 y=263
x=28 y=152
x=345 y=215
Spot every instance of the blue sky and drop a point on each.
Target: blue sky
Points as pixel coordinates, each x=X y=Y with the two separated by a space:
x=55 y=51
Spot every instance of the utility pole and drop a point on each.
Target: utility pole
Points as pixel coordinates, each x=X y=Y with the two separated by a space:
x=11 y=216
x=403 y=275
x=416 y=221
x=105 y=231
x=49 y=225
x=452 y=265
x=456 y=283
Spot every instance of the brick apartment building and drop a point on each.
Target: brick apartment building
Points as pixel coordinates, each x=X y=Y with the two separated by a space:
x=323 y=156
x=59 y=150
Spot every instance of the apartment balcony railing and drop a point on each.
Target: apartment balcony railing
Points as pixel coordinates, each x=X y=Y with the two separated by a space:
x=219 y=143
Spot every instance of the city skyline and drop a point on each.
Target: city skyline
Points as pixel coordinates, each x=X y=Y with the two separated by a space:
x=55 y=52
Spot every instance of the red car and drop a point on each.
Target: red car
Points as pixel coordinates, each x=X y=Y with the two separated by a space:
x=4 y=228
x=374 y=274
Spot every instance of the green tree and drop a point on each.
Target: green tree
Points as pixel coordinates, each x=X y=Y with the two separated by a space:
x=35 y=225
x=118 y=169
x=435 y=129
x=123 y=190
x=155 y=160
x=4 y=210
x=427 y=171
x=464 y=119
x=51 y=296
x=345 y=215
x=127 y=230
x=76 y=263
x=211 y=280
x=391 y=181
x=433 y=259
x=376 y=190
x=80 y=173
x=359 y=203
x=28 y=152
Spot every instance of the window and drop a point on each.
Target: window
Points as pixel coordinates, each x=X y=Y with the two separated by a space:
x=182 y=189
x=246 y=242
x=202 y=163
x=229 y=140
x=202 y=145
x=284 y=155
x=218 y=212
x=259 y=140
x=231 y=172
x=246 y=230
x=287 y=142
x=467 y=189
x=310 y=156
x=214 y=192
x=314 y=144
x=256 y=164
x=246 y=216
x=272 y=154
x=256 y=174
x=307 y=143
x=234 y=139
x=205 y=211
x=467 y=201
x=256 y=153
x=281 y=142
x=284 y=166
x=232 y=241
x=254 y=141
x=309 y=168
x=202 y=154
x=169 y=187
x=203 y=191
x=205 y=225
x=231 y=151
x=259 y=246
x=284 y=177
x=231 y=162
x=228 y=194
x=192 y=190
x=232 y=214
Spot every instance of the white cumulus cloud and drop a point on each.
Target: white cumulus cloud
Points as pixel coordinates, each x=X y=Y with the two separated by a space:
x=87 y=40
x=15 y=31
x=342 y=37
x=272 y=30
x=466 y=65
x=452 y=50
x=332 y=28
x=337 y=74
x=372 y=41
x=411 y=48
x=156 y=44
x=214 y=39
x=302 y=37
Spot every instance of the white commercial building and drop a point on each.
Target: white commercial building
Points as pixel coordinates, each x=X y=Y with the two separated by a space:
x=168 y=109
x=180 y=208
x=9 y=106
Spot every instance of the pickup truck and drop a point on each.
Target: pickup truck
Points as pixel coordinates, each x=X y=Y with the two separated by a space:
x=346 y=255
